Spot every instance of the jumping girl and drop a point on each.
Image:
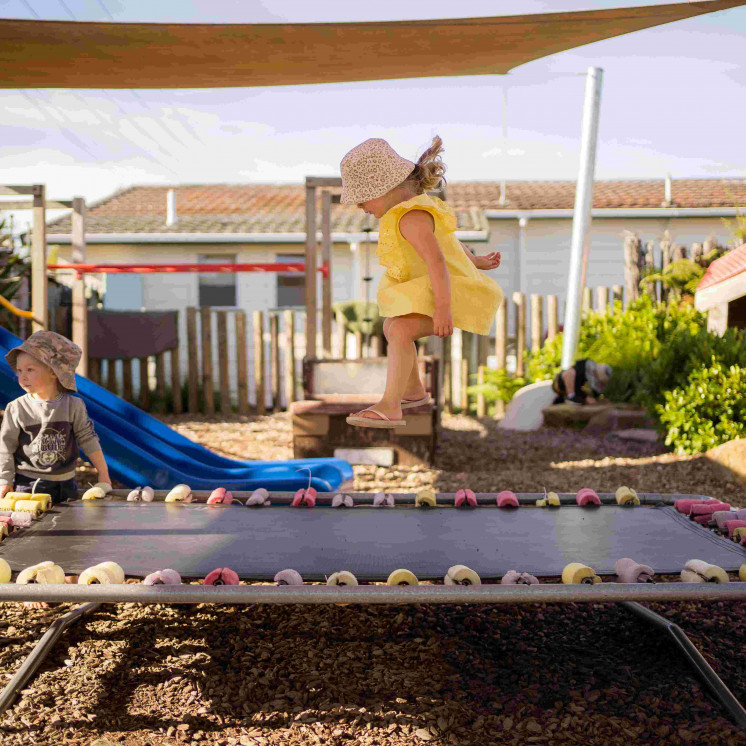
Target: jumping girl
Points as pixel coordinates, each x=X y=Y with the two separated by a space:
x=432 y=282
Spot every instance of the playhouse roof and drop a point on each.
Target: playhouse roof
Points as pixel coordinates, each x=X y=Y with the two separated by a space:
x=65 y=54
x=278 y=209
x=730 y=265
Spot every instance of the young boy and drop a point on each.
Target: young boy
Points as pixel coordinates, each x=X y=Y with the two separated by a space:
x=43 y=430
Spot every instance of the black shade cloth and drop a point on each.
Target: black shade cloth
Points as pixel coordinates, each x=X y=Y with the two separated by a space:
x=114 y=335
x=370 y=542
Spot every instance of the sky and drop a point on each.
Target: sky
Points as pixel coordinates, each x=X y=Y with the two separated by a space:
x=673 y=102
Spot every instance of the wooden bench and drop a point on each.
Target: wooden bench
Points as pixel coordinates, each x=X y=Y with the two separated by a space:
x=334 y=389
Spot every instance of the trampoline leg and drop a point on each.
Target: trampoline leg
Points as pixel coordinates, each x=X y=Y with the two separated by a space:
x=694 y=657
x=40 y=652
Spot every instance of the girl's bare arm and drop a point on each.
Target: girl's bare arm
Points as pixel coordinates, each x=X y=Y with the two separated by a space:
x=490 y=261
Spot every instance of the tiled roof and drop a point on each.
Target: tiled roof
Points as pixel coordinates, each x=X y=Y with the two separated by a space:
x=733 y=263
x=262 y=208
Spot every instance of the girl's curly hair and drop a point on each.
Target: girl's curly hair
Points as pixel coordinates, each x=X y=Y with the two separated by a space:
x=429 y=169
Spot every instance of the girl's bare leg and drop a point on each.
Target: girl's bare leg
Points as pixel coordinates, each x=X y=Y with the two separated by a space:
x=415 y=388
x=402 y=332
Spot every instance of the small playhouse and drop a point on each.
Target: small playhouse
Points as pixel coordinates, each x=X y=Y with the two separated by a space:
x=722 y=292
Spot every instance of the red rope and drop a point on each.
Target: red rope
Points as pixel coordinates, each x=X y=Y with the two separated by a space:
x=83 y=269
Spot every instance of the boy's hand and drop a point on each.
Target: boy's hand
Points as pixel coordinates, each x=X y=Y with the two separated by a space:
x=5 y=489
x=442 y=322
x=490 y=261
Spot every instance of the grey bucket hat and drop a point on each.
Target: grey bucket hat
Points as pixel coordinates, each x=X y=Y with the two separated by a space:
x=598 y=375
x=55 y=351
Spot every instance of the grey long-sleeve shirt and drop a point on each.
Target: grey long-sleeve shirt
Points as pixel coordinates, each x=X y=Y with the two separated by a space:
x=40 y=439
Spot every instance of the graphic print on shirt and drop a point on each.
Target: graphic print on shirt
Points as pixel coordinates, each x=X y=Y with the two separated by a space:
x=49 y=446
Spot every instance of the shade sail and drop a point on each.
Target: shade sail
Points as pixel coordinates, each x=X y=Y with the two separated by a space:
x=66 y=54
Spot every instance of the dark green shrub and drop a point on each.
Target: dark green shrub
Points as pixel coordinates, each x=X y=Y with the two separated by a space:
x=708 y=410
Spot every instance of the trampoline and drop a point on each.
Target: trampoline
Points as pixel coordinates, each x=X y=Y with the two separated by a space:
x=371 y=541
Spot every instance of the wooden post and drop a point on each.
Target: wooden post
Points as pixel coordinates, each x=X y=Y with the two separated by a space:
x=632 y=245
x=310 y=271
x=225 y=381
x=39 y=261
x=457 y=352
x=678 y=253
x=481 y=405
x=602 y=299
x=552 y=317
x=587 y=303
x=176 y=379
x=80 y=308
x=665 y=245
x=259 y=387
x=111 y=376
x=289 y=352
x=326 y=281
x=519 y=301
x=501 y=335
x=447 y=375
x=208 y=391
x=274 y=359
x=160 y=374
x=375 y=345
x=242 y=360
x=342 y=335
x=127 y=392
x=464 y=385
x=94 y=372
x=193 y=360
x=651 y=288
x=358 y=345
x=617 y=294
x=537 y=322
x=144 y=384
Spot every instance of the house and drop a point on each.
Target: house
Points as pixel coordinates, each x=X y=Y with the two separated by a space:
x=722 y=292
x=529 y=222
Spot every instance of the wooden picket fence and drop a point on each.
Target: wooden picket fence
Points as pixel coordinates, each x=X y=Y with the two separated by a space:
x=229 y=380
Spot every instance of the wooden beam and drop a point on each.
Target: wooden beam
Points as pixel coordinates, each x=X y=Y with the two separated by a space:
x=259 y=383
x=242 y=363
x=39 y=262
x=323 y=181
x=310 y=270
x=193 y=360
x=326 y=280
x=208 y=391
x=224 y=376
x=289 y=324
x=80 y=307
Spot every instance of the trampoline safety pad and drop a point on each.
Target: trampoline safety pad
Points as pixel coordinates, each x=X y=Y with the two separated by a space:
x=369 y=541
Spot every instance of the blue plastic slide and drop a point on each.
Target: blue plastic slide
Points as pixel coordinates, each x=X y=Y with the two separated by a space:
x=141 y=450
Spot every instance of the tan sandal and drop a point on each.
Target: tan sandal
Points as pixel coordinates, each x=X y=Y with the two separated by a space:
x=409 y=404
x=384 y=423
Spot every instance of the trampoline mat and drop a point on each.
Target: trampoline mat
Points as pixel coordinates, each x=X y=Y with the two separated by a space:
x=370 y=542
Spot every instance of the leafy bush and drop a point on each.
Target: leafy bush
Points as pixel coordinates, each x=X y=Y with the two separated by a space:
x=355 y=314
x=499 y=385
x=708 y=410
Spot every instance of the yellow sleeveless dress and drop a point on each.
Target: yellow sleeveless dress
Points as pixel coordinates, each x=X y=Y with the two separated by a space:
x=405 y=287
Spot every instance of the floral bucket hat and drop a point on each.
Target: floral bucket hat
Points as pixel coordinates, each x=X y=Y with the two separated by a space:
x=55 y=351
x=370 y=170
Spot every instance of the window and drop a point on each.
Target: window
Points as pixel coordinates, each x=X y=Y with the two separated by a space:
x=291 y=286
x=217 y=288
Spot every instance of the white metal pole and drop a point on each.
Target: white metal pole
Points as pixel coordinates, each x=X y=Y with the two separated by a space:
x=581 y=223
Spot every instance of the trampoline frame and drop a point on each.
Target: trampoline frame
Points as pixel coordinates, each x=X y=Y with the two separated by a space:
x=629 y=595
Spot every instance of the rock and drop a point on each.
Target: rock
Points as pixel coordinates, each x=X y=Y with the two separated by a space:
x=617 y=419
x=730 y=459
x=573 y=415
x=639 y=434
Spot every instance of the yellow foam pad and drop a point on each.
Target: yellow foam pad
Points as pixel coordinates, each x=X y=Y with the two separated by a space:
x=627 y=496
x=105 y=573
x=461 y=575
x=5 y=571
x=43 y=572
x=739 y=533
x=402 y=577
x=29 y=506
x=94 y=493
x=425 y=497
x=699 y=571
x=742 y=573
x=8 y=503
x=577 y=572
x=341 y=578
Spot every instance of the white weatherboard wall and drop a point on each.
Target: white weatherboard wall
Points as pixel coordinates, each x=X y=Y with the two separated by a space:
x=256 y=291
